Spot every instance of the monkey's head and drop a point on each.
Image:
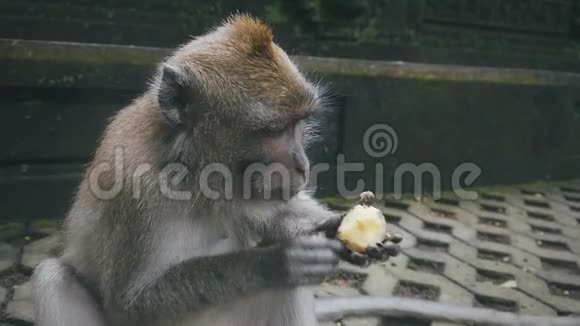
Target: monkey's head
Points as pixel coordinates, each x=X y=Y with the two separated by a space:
x=239 y=101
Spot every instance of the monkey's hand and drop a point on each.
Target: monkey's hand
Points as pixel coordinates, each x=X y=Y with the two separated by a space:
x=307 y=260
x=330 y=225
x=381 y=251
x=385 y=249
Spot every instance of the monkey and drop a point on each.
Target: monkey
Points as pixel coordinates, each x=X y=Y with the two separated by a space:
x=179 y=243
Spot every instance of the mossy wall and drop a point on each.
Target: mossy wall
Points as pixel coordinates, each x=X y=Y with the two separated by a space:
x=517 y=125
x=513 y=33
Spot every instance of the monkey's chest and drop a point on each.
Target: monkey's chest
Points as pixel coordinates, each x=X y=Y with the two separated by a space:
x=181 y=241
x=222 y=245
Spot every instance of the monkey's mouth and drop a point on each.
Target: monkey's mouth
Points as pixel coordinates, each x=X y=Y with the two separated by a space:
x=272 y=181
x=274 y=188
x=273 y=192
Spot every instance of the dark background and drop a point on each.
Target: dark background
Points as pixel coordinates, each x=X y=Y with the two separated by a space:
x=472 y=103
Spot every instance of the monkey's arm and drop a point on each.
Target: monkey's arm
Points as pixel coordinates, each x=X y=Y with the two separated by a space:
x=305 y=215
x=302 y=215
x=204 y=281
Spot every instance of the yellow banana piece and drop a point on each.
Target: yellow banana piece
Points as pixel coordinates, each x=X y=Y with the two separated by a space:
x=363 y=226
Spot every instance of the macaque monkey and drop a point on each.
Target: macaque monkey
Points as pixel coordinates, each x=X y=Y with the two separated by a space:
x=190 y=238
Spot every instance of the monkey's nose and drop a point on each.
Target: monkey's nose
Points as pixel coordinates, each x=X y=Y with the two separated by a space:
x=303 y=172
x=301 y=165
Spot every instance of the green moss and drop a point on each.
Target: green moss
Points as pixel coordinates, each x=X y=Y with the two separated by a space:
x=44 y=226
x=11 y=230
x=75 y=53
x=107 y=57
x=274 y=13
x=339 y=203
x=428 y=72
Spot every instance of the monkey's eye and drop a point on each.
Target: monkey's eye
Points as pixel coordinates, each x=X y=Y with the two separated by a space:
x=277 y=130
x=273 y=131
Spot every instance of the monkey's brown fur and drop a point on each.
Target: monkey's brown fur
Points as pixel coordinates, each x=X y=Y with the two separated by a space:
x=239 y=59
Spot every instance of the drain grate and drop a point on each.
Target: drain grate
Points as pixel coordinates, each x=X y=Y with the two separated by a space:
x=493 y=255
x=565 y=290
x=497 y=278
x=573 y=199
x=495 y=303
x=562 y=266
x=544 y=229
x=570 y=190
x=492 y=221
x=554 y=245
x=342 y=277
x=432 y=245
x=493 y=237
x=442 y=213
x=534 y=193
x=392 y=218
x=417 y=290
x=424 y=265
x=536 y=203
x=492 y=197
x=435 y=227
x=493 y=208
x=541 y=216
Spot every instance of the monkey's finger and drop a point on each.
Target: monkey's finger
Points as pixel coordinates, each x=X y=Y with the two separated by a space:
x=330 y=226
x=352 y=257
x=375 y=252
x=355 y=258
x=392 y=249
x=337 y=246
x=394 y=237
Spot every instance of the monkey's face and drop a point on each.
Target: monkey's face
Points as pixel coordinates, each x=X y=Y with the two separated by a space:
x=244 y=103
x=274 y=165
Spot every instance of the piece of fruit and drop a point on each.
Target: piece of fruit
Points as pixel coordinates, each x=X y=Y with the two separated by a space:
x=363 y=226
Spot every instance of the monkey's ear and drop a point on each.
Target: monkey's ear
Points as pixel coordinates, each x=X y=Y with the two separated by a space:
x=173 y=96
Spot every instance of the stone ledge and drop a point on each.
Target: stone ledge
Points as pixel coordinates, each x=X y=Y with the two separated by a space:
x=63 y=64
